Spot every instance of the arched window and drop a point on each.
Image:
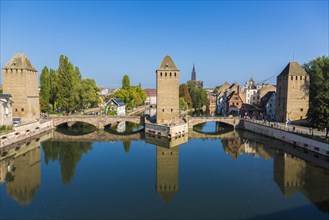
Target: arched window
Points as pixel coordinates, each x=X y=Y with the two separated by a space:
x=165 y=73
x=170 y=73
x=160 y=73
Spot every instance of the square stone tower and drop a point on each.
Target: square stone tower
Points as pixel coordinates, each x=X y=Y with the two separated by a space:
x=167 y=80
x=292 y=99
x=20 y=80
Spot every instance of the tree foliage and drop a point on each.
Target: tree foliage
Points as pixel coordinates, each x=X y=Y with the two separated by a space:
x=182 y=104
x=198 y=95
x=125 y=82
x=318 y=70
x=132 y=96
x=184 y=93
x=64 y=90
x=44 y=89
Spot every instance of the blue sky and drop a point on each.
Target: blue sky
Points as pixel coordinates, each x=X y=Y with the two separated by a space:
x=227 y=41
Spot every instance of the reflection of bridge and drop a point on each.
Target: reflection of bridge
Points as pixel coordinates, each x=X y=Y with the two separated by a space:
x=227 y=120
x=98 y=136
x=99 y=121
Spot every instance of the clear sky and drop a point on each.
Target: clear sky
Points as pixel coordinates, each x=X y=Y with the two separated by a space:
x=227 y=41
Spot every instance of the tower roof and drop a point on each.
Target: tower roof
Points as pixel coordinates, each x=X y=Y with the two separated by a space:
x=167 y=64
x=293 y=69
x=19 y=61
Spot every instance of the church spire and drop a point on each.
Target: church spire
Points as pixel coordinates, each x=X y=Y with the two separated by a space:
x=193 y=78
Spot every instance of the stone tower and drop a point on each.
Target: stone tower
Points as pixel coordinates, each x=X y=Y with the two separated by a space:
x=167 y=78
x=167 y=172
x=193 y=76
x=292 y=96
x=20 y=79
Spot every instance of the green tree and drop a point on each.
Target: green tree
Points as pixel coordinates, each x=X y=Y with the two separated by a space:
x=44 y=89
x=184 y=93
x=318 y=70
x=88 y=93
x=198 y=95
x=125 y=82
x=68 y=86
x=182 y=104
x=53 y=88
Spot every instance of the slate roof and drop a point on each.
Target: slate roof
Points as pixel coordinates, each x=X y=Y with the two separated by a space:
x=20 y=61
x=5 y=96
x=167 y=64
x=265 y=98
x=118 y=102
x=293 y=69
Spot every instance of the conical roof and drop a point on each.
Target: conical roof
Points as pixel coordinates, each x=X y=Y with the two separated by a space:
x=167 y=196
x=20 y=61
x=293 y=69
x=167 y=64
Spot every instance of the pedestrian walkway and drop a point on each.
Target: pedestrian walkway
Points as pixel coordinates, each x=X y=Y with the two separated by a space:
x=304 y=131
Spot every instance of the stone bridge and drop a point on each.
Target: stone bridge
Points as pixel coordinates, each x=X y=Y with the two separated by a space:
x=227 y=120
x=99 y=136
x=99 y=121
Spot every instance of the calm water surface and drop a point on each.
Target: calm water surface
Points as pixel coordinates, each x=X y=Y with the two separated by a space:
x=233 y=175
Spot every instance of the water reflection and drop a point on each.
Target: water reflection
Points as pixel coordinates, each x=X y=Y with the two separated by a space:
x=167 y=156
x=124 y=128
x=76 y=128
x=20 y=168
x=67 y=153
x=294 y=175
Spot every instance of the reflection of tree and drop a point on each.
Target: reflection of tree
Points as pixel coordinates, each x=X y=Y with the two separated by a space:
x=78 y=128
x=67 y=153
x=126 y=146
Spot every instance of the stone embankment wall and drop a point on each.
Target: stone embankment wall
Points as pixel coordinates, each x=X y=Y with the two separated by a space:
x=286 y=136
x=25 y=131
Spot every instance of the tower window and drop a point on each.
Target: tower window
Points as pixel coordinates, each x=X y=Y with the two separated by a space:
x=292 y=77
x=175 y=74
x=170 y=73
x=165 y=73
x=163 y=110
x=301 y=109
x=16 y=110
x=171 y=110
x=160 y=73
x=296 y=77
x=22 y=109
x=301 y=77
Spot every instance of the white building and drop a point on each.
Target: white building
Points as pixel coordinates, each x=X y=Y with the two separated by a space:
x=151 y=96
x=116 y=105
x=268 y=103
x=6 y=114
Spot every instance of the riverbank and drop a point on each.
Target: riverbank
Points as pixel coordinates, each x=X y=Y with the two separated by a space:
x=25 y=131
x=298 y=136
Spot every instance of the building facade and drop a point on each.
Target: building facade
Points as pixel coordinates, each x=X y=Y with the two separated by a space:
x=292 y=101
x=20 y=79
x=116 y=105
x=6 y=114
x=268 y=104
x=167 y=80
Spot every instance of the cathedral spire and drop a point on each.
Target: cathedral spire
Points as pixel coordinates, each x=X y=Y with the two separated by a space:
x=193 y=78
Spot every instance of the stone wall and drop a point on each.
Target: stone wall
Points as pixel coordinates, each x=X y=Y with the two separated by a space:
x=25 y=131
x=289 y=137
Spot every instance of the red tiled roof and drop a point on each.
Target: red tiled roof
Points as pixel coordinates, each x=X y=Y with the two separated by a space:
x=150 y=92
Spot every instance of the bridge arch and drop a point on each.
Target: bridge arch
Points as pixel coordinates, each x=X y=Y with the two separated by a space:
x=232 y=121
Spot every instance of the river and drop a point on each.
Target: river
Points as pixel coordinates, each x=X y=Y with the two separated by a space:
x=230 y=175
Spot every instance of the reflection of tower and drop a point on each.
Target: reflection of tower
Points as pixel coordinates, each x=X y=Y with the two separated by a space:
x=26 y=177
x=167 y=172
x=289 y=173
